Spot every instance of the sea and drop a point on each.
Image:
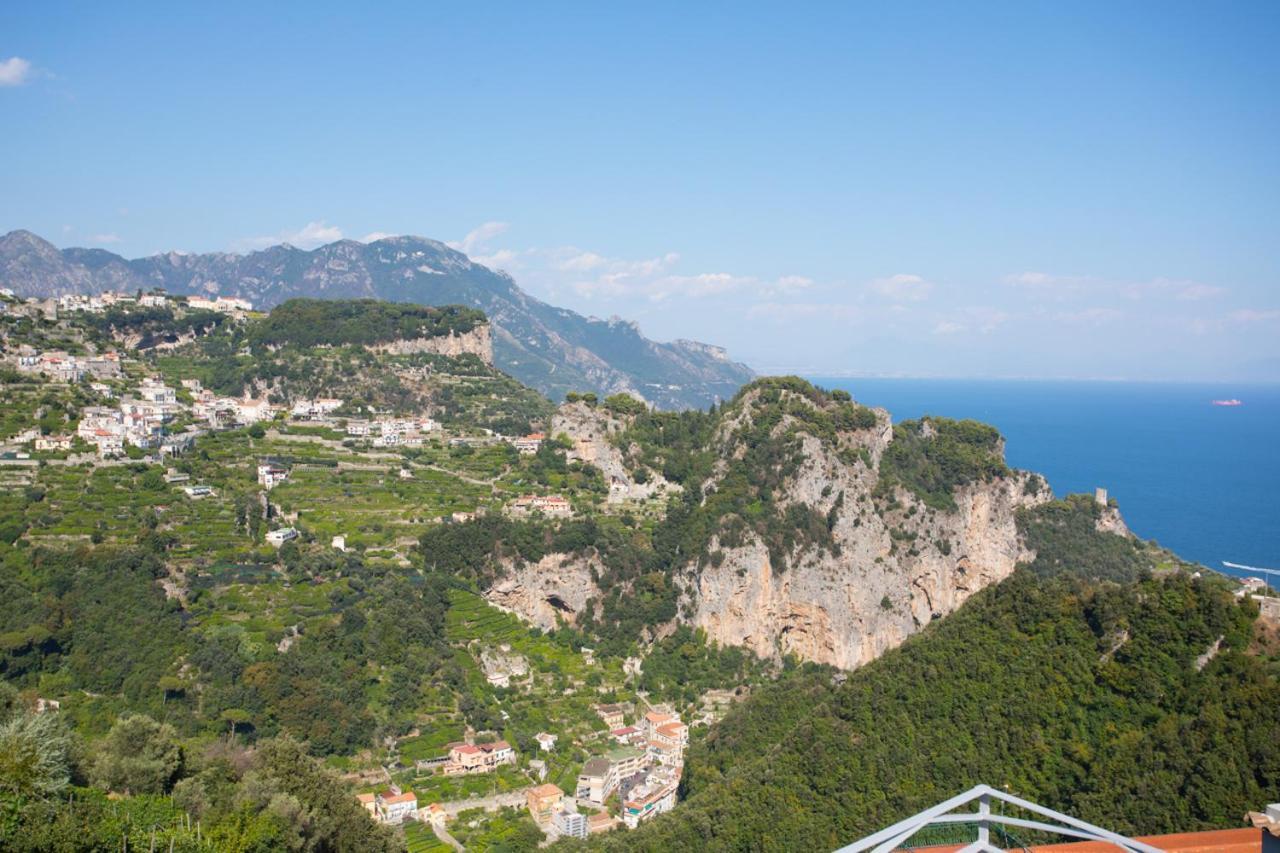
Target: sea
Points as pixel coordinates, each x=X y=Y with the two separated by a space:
x=1200 y=479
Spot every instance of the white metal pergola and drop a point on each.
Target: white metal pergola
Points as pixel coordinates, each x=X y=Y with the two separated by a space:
x=946 y=812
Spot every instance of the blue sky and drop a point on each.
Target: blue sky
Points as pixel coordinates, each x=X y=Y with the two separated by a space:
x=981 y=189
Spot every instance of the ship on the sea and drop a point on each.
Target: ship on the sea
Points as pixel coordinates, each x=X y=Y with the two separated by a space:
x=1232 y=402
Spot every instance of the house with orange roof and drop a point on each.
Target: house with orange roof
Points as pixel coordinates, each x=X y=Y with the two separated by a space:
x=395 y=805
x=530 y=443
x=478 y=757
x=543 y=802
x=600 y=822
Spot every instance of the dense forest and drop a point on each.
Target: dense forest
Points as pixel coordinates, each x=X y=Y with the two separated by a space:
x=149 y=326
x=343 y=322
x=1139 y=702
x=97 y=620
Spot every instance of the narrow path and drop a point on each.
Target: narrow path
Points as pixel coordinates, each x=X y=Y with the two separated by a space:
x=491 y=803
x=443 y=835
x=463 y=477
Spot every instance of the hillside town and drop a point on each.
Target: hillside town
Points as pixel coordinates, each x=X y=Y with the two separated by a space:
x=133 y=413
x=631 y=778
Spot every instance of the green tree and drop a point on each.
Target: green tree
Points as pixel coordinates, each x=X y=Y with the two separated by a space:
x=138 y=756
x=33 y=755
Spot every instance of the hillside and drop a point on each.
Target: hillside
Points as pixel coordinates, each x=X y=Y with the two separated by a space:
x=548 y=348
x=797 y=522
x=142 y=578
x=252 y=565
x=1137 y=706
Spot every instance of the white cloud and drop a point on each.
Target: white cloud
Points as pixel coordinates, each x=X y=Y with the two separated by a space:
x=307 y=237
x=14 y=71
x=1031 y=279
x=105 y=238
x=314 y=234
x=375 y=236
x=1091 y=316
x=1195 y=292
x=556 y=272
x=793 y=283
x=1063 y=285
x=947 y=327
x=650 y=280
x=783 y=312
x=1249 y=316
x=582 y=262
x=478 y=237
x=902 y=287
x=502 y=259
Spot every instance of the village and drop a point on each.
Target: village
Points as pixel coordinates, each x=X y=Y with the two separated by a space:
x=249 y=491
x=631 y=778
x=149 y=420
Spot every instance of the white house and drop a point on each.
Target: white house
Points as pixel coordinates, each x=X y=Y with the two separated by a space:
x=395 y=806
x=281 y=536
x=269 y=476
x=250 y=411
x=53 y=442
x=154 y=391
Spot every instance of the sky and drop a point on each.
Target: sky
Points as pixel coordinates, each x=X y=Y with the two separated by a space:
x=1084 y=190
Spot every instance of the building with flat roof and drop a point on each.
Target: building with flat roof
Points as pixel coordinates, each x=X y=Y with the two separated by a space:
x=569 y=823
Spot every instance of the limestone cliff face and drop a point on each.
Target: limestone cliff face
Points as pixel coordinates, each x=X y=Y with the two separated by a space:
x=848 y=609
x=1110 y=521
x=477 y=342
x=593 y=431
x=895 y=569
x=557 y=587
x=891 y=564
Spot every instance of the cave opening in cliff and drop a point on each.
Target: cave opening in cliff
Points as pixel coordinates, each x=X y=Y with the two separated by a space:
x=559 y=604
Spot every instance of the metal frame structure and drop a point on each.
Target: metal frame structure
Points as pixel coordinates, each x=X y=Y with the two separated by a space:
x=945 y=812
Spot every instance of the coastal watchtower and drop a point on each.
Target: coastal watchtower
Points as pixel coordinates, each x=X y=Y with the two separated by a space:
x=1100 y=496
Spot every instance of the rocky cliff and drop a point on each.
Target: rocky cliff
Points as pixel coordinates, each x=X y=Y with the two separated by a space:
x=893 y=562
x=887 y=550
x=477 y=342
x=594 y=433
x=556 y=588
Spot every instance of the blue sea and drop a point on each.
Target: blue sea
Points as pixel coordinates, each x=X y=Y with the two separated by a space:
x=1200 y=479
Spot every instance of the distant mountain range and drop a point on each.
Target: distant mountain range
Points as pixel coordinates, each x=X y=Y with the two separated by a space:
x=552 y=349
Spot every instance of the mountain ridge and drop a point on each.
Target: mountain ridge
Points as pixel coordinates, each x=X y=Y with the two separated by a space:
x=552 y=349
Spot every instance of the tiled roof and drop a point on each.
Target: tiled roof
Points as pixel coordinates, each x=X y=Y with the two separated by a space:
x=1246 y=840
